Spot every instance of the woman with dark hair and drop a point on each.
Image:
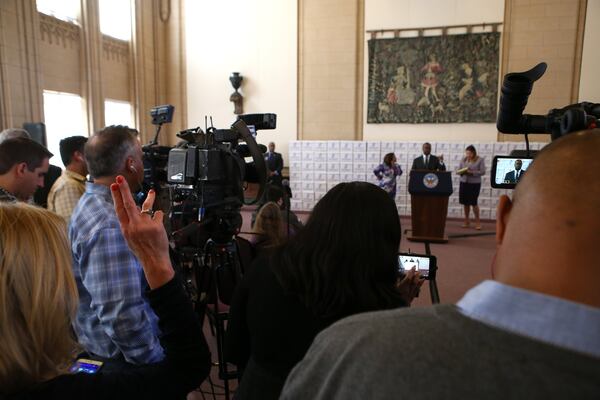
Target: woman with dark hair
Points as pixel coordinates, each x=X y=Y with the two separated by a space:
x=471 y=168
x=343 y=262
x=387 y=173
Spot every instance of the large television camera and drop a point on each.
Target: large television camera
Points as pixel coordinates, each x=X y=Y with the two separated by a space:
x=205 y=173
x=516 y=88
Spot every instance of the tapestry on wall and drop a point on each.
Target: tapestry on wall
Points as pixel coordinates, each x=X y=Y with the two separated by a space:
x=451 y=78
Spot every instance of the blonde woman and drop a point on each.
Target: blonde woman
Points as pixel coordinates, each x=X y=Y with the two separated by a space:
x=268 y=228
x=38 y=299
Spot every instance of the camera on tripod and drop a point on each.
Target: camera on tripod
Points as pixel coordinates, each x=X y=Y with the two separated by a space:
x=516 y=88
x=206 y=174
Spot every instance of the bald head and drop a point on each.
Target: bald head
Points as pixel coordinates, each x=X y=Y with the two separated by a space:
x=548 y=235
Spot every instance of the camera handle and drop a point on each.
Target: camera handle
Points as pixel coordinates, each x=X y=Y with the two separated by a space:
x=261 y=168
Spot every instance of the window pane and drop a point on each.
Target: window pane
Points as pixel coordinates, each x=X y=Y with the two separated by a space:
x=115 y=18
x=67 y=10
x=64 y=116
x=118 y=113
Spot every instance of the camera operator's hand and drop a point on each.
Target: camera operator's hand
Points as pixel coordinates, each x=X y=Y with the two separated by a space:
x=409 y=286
x=144 y=232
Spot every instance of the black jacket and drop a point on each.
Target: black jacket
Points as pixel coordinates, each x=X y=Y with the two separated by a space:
x=434 y=164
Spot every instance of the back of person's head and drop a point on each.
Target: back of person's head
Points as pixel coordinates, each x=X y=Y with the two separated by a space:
x=12 y=133
x=68 y=146
x=274 y=194
x=270 y=224
x=548 y=235
x=345 y=259
x=388 y=158
x=22 y=150
x=107 y=150
x=38 y=296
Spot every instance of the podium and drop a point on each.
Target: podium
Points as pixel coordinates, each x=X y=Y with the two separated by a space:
x=429 y=192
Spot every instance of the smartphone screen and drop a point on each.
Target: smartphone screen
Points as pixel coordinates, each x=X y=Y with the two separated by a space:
x=86 y=366
x=422 y=264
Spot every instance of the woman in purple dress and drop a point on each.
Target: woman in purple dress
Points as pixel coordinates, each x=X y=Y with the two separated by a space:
x=387 y=173
x=471 y=168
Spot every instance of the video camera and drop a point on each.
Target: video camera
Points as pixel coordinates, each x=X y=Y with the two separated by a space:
x=206 y=172
x=516 y=88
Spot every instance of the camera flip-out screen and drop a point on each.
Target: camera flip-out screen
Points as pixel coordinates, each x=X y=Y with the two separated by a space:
x=507 y=171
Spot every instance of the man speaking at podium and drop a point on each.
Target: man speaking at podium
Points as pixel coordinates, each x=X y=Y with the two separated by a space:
x=514 y=176
x=428 y=160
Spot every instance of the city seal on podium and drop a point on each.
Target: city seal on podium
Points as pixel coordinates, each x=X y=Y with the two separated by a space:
x=430 y=181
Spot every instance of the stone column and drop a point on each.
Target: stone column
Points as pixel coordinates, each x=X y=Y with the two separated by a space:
x=91 y=46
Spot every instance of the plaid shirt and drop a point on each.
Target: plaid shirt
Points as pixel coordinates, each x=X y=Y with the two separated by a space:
x=7 y=196
x=65 y=194
x=113 y=317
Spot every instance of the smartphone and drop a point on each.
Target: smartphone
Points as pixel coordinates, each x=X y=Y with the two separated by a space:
x=424 y=264
x=507 y=171
x=86 y=366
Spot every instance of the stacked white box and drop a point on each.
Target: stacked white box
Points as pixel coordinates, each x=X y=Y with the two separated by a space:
x=387 y=147
x=317 y=166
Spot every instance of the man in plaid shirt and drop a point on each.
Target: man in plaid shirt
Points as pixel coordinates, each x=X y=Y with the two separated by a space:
x=114 y=321
x=67 y=189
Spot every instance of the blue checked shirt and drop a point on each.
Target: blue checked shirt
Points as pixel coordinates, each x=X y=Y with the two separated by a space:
x=114 y=318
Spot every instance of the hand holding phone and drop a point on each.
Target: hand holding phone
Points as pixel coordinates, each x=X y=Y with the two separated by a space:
x=410 y=286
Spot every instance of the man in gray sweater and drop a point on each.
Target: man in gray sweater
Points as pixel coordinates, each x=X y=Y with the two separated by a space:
x=532 y=333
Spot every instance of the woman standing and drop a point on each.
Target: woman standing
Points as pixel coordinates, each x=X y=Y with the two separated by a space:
x=387 y=173
x=471 y=168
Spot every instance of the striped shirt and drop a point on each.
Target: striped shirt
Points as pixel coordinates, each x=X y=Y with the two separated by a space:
x=65 y=194
x=114 y=318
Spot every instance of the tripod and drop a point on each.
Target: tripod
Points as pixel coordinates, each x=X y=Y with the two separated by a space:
x=211 y=276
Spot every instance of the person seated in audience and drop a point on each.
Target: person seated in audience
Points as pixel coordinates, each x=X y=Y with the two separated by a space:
x=23 y=165
x=342 y=262
x=531 y=333
x=68 y=189
x=38 y=298
x=268 y=231
x=276 y=195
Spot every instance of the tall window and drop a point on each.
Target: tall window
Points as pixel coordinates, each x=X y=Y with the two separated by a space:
x=67 y=10
x=115 y=18
x=64 y=116
x=118 y=113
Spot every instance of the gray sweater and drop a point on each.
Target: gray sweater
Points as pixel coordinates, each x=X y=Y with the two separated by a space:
x=436 y=353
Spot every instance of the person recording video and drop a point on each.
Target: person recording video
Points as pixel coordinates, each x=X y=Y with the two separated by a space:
x=530 y=333
x=515 y=176
x=334 y=267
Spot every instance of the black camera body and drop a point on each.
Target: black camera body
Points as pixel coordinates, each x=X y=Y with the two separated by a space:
x=205 y=173
x=516 y=88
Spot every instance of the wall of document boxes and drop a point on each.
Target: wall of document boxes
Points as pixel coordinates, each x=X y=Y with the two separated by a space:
x=317 y=166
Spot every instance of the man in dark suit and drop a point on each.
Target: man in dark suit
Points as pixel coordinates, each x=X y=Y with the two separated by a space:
x=514 y=176
x=274 y=163
x=428 y=160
